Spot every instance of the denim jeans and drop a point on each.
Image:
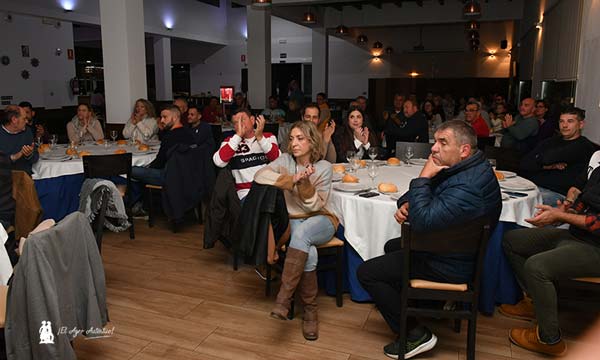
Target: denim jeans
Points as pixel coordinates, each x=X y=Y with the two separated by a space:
x=144 y=176
x=309 y=233
x=539 y=257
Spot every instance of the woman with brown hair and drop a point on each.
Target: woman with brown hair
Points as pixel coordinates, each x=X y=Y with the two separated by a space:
x=84 y=126
x=354 y=135
x=306 y=182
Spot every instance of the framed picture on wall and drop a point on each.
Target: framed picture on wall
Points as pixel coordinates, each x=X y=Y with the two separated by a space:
x=226 y=93
x=25 y=50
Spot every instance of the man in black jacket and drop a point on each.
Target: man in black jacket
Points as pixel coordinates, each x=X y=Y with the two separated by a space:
x=412 y=127
x=7 y=203
x=556 y=162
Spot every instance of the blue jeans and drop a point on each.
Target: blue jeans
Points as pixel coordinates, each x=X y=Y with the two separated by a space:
x=144 y=175
x=309 y=233
x=550 y=197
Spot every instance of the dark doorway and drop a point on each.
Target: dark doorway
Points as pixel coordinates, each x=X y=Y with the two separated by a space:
x=281 y=75
x=180 y=74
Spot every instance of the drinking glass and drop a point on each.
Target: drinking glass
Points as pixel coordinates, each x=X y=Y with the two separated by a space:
x=350 y=154
x=492 y=163
x=373 y=153
x=408 y=153
x=355 y=163
x=113 y=135
x=38 y=141
x=373 y=171
x=53 y=140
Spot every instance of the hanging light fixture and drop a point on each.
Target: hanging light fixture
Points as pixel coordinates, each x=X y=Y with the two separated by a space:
x=341 y=29
x=472 y=9
x=261 y=3
x=362 y=39
x=472 y=25
x=309 y=17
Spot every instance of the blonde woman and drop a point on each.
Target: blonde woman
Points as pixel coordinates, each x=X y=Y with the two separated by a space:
x=142 y=125
x=306 y=183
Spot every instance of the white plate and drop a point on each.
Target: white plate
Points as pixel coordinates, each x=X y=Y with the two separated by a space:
x=350 y=187
x=395 y=196
x=517 y=184
x=418 y=161
x=507 y=174
x=54 y=156
x=337 y=177
x=153 y=142
x=143 y=152
x=505 y=197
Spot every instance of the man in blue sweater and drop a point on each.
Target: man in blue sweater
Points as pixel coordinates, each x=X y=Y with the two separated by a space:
x=456 y=186
x=16 y=141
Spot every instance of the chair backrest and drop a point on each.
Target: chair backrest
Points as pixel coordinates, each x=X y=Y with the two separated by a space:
x=467 y=238
x=217 y=132
x=101 y=166
x=272 y=128
x=421 y=150
x=482 y=142
x=506 y=159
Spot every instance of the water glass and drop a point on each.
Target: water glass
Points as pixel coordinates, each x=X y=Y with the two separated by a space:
x=53 y=140
x=355 y=163
x=373 y=171
x=408 y=154
x=373 y=153
x=350 y=154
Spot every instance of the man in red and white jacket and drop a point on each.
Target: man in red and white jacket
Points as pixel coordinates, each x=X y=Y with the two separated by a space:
x=247 y=151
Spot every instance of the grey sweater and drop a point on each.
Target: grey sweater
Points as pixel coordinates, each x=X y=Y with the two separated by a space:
x=59 y=279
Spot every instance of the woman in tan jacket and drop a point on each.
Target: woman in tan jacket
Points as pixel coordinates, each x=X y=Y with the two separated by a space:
x=306 y=182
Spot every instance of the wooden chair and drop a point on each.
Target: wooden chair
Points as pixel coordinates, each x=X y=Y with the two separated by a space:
x=470 y=238
x=98 y=223
x=105 y=166
x=335 y=247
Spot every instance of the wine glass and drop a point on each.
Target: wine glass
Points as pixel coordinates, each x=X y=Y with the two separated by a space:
x=373 y=171
x=113 y=135
x=350 y=154
x=355 y=163
x=81 y=135
x=408 y=153
x=53 y=140
x=38 y=141
x=372 y=153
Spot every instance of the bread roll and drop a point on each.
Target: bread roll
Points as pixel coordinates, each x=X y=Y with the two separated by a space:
x=143 y=147
x=339 y=168
x=71 y=151
x=393 y=161
x=387 y=188
x=350 y=179
x=363 y=163
x=100 y=141
x=121 y=142
x=499 y=175
x=43 y=148
x=84 y=153
x=120 y=151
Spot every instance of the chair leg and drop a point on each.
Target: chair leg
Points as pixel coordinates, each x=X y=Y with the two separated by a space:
x=471 y=337
x=150 y=209
x=235 y=261
x=131 y=228
x=457 y=325
x=268 y=281
x=338 y=277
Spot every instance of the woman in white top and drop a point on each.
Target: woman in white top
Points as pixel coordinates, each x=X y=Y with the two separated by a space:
x=84 y=126
x=142 y=125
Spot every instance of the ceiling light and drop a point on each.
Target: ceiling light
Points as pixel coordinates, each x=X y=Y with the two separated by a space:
x=377 y=45
x=473 y=25
x=309 y=18
x=413 y=74
x=342 y=30
x=261 y=3
x=362 y=39
x=472 y=9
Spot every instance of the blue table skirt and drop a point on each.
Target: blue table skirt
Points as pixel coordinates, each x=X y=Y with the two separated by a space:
x=498 y=284
x=59 y=196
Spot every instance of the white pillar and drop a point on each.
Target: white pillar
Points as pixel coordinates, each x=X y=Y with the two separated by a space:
x=320 y=61
x=124 y=56
x=259 y=56
x=162 y=68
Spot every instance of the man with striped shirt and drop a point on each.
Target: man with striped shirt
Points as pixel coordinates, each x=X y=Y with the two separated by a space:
x=247 y=151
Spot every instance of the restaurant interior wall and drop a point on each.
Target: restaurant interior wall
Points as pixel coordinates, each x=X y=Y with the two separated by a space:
x=588 y=76
x=48 y=83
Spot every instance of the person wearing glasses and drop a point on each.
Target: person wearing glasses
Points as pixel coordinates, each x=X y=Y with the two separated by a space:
x=473 y=117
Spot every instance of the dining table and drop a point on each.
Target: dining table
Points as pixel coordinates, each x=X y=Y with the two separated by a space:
x=58 y=176
x=367 y=223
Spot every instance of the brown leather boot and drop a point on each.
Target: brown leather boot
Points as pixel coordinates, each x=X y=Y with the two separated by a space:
x=292 y=272
x=528 y=338
x=522 y=310
x=308 y=295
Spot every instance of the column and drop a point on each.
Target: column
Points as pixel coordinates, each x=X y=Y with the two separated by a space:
x=259 y=56
x=124 y=56
x=162 y=68
x=320 y=62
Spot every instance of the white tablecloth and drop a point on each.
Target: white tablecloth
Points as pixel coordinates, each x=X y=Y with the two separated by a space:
x=6 y=268
x=369 y=222
x=45 y=169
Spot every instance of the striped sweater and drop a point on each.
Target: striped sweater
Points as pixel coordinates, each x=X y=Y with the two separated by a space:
x=245 y=157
